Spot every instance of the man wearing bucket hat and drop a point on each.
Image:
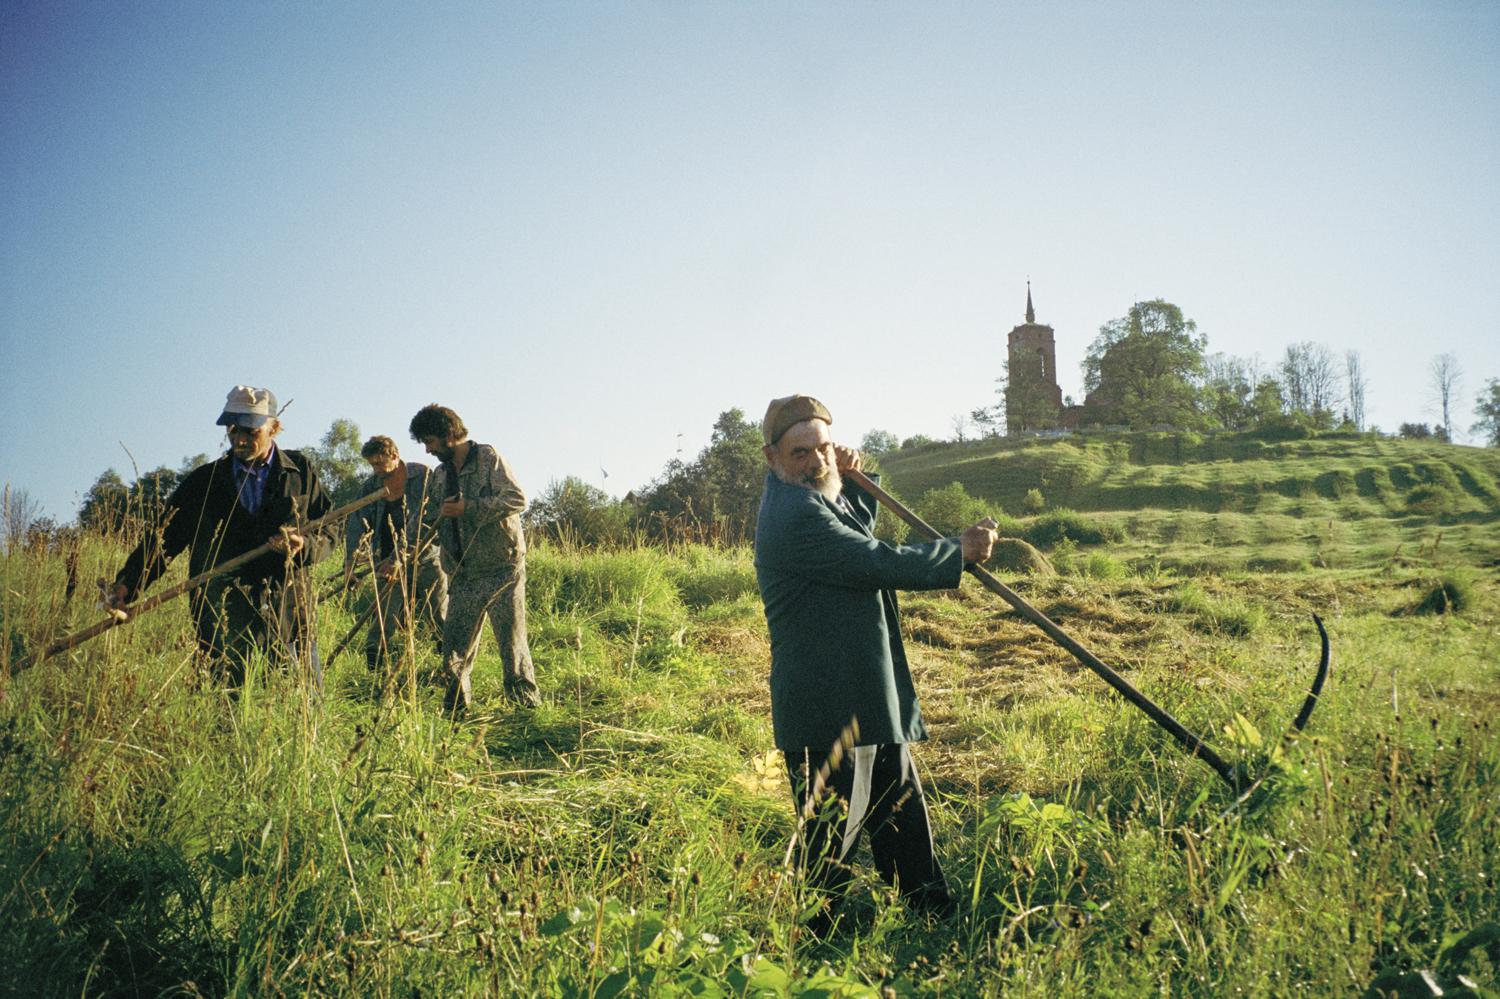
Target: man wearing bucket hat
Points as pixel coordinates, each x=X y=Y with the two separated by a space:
x=256 y=493
x=843 y=706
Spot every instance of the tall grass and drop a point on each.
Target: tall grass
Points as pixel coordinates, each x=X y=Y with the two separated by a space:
x=629 y=837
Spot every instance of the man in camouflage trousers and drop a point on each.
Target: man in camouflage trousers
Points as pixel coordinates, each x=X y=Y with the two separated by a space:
x=408 y=568
x=479 y=529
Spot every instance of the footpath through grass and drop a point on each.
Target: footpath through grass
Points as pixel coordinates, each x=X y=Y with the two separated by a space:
x=158 y=837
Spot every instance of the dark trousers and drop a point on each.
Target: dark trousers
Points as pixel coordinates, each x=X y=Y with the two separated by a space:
x=235 y=618
x=500 y=596
x=873 y=790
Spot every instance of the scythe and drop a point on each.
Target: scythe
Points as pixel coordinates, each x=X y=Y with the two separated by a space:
x=128 y=614
x=1194 y=745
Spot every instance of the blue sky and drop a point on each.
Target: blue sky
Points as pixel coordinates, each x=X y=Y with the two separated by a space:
x=593 y=227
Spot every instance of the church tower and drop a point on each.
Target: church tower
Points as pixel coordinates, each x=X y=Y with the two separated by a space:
x=1033 y=399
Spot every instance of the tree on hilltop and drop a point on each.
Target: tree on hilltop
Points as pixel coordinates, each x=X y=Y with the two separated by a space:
x=718 y=493
x=105 y=503
x=878 y=442
x=1309 y=382
x=337 y=460
x=1355 y=384
x=1487 y=408
x=1142 y=369
x=1227 y=397
x=575 y=510
x=1446 y=376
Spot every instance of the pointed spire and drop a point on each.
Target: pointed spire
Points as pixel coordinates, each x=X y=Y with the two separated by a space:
x=1030 y=312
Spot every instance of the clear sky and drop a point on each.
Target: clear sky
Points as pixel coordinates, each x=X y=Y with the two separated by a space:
x=592 y=227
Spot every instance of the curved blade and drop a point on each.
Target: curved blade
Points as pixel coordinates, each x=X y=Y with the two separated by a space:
x=1324 y=668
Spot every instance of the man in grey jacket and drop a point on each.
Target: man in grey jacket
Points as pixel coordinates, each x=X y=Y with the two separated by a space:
x=843 y=706
x=409 y=579
x=479 y=529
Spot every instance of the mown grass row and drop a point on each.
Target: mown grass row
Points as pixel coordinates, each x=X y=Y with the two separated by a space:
x=630 y=836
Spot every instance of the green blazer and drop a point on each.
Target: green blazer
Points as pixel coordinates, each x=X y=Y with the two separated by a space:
x=829 y=592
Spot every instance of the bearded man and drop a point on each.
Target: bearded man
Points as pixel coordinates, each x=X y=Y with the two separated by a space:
x=478 y=522
x=843 y=707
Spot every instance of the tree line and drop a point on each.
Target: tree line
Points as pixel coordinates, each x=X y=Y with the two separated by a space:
x=1151 y=369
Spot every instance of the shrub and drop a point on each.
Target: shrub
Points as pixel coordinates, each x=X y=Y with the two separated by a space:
x=1100 y=565
x=705 y=575
x=1016 y=556
x=1431 y=499
x=1050 y=529
x=950 y=509
x=571 y=510
x=1451 y=594
x=1228 y=616
x=1034 y=502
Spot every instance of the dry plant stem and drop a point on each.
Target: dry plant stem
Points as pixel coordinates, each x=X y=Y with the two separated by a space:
x=1192 y=743
x=156 y=600
x=358 y=626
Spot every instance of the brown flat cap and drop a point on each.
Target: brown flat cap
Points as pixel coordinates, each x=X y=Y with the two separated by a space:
x=789 y=410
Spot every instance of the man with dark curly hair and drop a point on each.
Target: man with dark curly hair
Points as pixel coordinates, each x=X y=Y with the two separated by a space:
x=478 y=523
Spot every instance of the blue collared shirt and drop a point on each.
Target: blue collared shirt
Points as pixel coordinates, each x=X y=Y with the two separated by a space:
x=250 y=482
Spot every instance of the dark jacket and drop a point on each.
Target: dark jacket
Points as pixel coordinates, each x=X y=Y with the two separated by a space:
x=203 y=515
x=363 y=526
x=829 y=593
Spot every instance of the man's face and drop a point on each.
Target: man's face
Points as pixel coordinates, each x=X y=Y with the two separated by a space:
x=804 y=457
x=439 y=448
x=384 y=464
x=250 y=444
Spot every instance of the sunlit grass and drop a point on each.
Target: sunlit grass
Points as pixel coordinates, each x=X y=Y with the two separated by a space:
x=629 y=836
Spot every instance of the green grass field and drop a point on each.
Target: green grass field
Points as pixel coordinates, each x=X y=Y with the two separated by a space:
x=630 y=837
x=1230 y=502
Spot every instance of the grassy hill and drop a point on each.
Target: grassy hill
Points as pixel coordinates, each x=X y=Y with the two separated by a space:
x=1210 y=504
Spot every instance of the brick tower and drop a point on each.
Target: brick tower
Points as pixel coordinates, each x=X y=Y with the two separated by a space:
x=1033 y=399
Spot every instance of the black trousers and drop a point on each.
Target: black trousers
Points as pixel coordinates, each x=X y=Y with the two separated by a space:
x=235 y=619
x=873 y=790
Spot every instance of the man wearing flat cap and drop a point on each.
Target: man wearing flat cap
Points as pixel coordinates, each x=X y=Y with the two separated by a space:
x=257 y=493
x=843 y=707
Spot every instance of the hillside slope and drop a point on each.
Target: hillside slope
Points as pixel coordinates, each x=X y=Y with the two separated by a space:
x=1232 y=501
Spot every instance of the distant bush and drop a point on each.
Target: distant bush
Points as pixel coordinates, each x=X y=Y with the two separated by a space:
x=890 y=528
x=1227 y=616
x=1052 y=528
x=1431 y=499
x=1451 y=594
x=571 y=510
x=1034 y=502
x=1016 y=556
x=1101 y=565
x=951 y=509
x=706 y=575
x=1287 y=429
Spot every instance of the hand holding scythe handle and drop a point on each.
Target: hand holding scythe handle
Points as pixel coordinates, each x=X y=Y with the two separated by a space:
x=1190 y=742
x=125 y=615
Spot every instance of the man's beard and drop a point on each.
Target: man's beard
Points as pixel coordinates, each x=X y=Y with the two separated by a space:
x=444 y=454
x=828 y=481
